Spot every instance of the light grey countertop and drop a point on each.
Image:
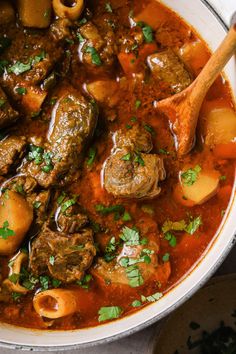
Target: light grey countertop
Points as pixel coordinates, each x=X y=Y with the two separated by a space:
x=139 y=342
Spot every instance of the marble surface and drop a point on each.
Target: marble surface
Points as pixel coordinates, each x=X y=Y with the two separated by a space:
x=141 y=341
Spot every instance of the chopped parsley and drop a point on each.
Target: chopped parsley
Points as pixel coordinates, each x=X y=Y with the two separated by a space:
x=3 y=65
x=21 y=90
x=166 y=257
x=134 y=276
x=109 y=313
x=96 y=59
x=19 y=68
x=190 y=176
x=181 y=225
x=44 y=281
x=117 y=210
x=147 y=33
x=130 y=236
x=80 y=37
x=138 y=159
x=55 y=283
x=91 y=156
x=67 y=204
x=5 y=232
x=108 y=7
x=223 y=178
x=173 y=226
x=14 y=277
x=127 y=157
x=151 y=298
x=138 y=104
x=84 y=283
x=171 y=239
x=164 y=152
x=52 y=260
x=16 y=296
x=193 y=225
x=110 y=250
x=126 y=216
x=37 y=204
x=2 y=102
x=149 y=129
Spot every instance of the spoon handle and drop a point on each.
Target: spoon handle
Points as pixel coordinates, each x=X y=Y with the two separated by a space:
x=214 y=66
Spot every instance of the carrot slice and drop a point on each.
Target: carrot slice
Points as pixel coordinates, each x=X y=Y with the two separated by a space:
x=132 y=64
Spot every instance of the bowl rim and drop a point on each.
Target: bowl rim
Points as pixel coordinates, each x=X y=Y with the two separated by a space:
x=157 y=317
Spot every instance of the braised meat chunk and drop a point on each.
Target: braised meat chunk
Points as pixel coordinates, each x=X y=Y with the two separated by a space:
x=99 y=48
x=8 y=115
x=64 y=257
x=166 y=67
x=137 y=138
x=11 y=152
x=131 y=172
x=73 y=122
x=133 y=175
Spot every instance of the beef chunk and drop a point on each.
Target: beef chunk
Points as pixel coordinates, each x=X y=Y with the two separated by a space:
x=72 y=219
x=131 y=175
x=166 y=67
x=131 y=172
x=137 y=138
x=59 y=29
x=64 y=257
x=11 y=150
x=102 y=43
x=28 y=68
x=73 y=123
x=7 y=114
x=21 y=184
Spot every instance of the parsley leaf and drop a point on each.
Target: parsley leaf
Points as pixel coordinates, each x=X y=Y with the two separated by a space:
x=109 y=313
x=67 y=204
x=151 y=298
x=91 y=156
x=108 y=7
x=5 y=232
x=190 y=176
x=51 y=260
x=194 y=225
x=96 y=59
x=130 y=236
x=173 y=226
x=84 y=283
x=21 y=90
x=134 y=276
x=147 y=33
x=171 y=238
x=136 y=303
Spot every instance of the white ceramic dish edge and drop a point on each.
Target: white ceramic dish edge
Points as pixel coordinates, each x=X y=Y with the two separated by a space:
x=203 y=17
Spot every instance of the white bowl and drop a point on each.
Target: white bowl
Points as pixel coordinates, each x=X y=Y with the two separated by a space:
x=211 y=27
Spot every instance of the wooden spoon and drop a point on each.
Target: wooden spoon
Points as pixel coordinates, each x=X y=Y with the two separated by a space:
x=183 y=108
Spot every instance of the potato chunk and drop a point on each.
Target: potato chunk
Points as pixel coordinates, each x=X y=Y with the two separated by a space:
x=194 y=55
x=35 y=13
x=219 y=126
x=16 y=216
x=205 y=187
x=104 y=91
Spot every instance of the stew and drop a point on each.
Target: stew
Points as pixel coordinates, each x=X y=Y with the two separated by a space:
x=98 y=215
